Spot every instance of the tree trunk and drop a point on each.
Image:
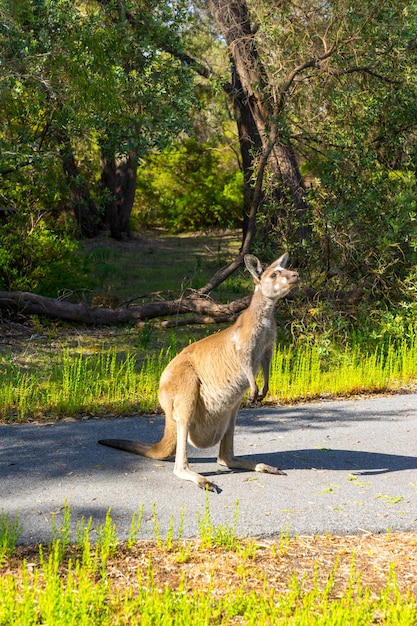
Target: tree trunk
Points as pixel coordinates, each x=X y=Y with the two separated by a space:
x=255 y=111
x=118 y=177
x=249 y=142
x=85 y=210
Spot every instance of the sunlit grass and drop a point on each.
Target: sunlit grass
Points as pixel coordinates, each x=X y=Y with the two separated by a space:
x=302 y=371
x=77 y=384
x=108 y=382
x=81 y=583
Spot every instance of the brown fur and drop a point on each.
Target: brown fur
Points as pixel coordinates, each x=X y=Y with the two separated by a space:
x=201 y=389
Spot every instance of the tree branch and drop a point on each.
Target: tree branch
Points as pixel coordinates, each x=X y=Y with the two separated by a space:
x=300 y=68
x=230 y=268
x=363 y=69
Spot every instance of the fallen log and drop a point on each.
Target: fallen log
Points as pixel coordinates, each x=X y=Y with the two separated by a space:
x=26 y=304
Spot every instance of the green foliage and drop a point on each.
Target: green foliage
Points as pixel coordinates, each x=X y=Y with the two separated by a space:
x=365 y=225
x=217 y=536
x=189 y=187
x=103 y=75
x=35 y=257
x=77 y=80
x=351 y=119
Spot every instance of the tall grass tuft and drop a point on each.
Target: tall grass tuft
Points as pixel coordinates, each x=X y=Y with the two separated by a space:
x=217 y=536
x=76 y=384
x=9 y=536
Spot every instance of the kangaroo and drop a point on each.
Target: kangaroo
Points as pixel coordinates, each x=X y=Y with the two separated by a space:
x=201 y=389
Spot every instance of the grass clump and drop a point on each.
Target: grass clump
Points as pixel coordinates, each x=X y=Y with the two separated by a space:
x=9 y=536
x=76 y=384
x=217 y=536
x=302 y=371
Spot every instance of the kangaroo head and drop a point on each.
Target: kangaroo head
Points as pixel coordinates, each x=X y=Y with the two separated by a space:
x=275 y=281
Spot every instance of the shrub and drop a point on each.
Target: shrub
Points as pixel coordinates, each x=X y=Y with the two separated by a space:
x=34 y=257
x=189 y=187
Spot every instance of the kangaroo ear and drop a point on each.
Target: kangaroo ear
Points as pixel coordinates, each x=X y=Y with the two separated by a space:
x=283 y=260
x=254 y=266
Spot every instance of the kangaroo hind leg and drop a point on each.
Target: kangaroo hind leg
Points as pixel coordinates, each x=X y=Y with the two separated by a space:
x=227 y=457
x=179 y=400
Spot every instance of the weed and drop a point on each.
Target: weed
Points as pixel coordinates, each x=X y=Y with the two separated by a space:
x=247 y=549
x=61 y=536
x=144 y=336
x=169 y=541
x=284 y=540
x=135 y=527
x=217 y=536
x=106 y=541
x=156 y=531
x=83 y=531
x=9 y=535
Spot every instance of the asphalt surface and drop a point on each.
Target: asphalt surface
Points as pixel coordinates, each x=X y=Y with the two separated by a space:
x=351 y=467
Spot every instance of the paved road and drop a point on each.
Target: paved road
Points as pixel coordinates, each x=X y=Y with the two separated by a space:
x=351 y=467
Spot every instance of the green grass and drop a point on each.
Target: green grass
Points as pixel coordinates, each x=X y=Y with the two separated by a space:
x=77 y=384
x=161 y=262
x=9 y=535
x=105 y=381
x=301 y=371
x=79 y=584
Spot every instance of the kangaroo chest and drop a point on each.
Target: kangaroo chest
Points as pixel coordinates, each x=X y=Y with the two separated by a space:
x=252 y=345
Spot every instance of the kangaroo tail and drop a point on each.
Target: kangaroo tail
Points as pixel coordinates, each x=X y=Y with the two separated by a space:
x=136 y=447
x=125 y=444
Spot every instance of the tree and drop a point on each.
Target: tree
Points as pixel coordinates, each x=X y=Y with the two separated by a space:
x=323 y=94
x=256 y=104
x=310 y=84
x=93 y=93
x=191 y=185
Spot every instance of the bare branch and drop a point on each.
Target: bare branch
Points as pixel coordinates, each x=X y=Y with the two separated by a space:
x=313 y=63
x=228 y=269
x=364 y=70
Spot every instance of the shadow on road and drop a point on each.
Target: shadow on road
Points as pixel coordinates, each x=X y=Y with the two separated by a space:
x=359 y=463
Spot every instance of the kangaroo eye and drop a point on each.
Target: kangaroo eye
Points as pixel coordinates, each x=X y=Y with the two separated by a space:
x=273 y=275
